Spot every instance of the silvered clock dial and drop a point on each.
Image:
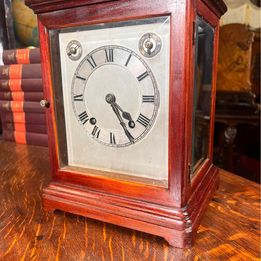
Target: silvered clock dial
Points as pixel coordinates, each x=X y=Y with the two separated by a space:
x=115 y=84
x=115 y=96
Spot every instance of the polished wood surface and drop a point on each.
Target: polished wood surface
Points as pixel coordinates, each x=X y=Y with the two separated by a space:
x=230 y=229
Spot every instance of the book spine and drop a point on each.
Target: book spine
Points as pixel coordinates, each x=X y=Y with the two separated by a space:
x=20 y=71
x=20 y=106
x=21 y=117
x=21 y=56
x=18 y=85
x=21 y=96
x=25 y=127
x=26 y=138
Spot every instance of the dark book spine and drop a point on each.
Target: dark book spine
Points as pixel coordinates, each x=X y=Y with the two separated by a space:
x=18 y=85
x=26 y=138
x=25 y=127
x=21 y=117
x=21 y=96
x=21 y=56
x=20 y=71
x=20 y=106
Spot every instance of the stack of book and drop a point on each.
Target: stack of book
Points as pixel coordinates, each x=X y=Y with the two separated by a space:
x=21 y=89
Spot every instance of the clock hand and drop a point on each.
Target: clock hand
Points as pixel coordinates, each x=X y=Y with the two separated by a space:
x=126 y=115
x=110 y=98
x=115 y=109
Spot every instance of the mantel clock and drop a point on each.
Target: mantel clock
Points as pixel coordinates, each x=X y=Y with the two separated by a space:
x=129 y=92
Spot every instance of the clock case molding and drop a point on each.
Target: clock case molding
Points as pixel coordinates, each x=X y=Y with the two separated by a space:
x=174 y=212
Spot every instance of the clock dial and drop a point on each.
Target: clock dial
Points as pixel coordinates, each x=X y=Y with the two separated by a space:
x=115 y=86
x=116 y=97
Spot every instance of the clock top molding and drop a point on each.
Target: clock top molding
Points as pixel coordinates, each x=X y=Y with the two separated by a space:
x=39 y=6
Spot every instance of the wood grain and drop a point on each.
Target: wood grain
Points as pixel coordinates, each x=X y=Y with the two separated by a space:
x=230 y=229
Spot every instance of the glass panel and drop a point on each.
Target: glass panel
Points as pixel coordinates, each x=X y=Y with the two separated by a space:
x=202 y=92
x=111 y=86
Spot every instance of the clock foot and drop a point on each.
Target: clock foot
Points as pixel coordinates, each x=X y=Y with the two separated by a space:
x=48 y=208
x=176 y=241
x=177 y=225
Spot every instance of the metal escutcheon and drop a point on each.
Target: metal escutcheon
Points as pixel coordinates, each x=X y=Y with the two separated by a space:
x=44 y=103
x=74 y=50
x=150 y=45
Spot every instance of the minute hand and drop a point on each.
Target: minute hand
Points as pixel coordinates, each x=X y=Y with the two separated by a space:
x=116 y=111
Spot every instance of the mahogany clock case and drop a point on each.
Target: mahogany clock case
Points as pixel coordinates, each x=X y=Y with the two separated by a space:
x=172 y=212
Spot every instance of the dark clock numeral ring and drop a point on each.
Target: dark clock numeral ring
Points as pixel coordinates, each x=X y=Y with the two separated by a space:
x=115 y=96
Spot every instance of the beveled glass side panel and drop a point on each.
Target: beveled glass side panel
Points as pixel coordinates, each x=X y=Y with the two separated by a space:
x=204 y=43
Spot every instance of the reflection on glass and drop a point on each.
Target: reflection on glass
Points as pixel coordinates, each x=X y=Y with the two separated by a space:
x=202 y=92
x=111 y=61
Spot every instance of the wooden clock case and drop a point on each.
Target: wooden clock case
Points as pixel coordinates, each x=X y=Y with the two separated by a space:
x=173 y=212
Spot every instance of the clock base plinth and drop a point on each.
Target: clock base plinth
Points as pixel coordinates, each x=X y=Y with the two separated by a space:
x=177 y=225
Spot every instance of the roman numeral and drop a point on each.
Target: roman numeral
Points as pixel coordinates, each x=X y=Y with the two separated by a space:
x=143 y=76
x=83 y=117
x=96 y=132
x=148 y=98
x=143 y=120
x=78 y=97
x=112 y=138
x=80 y=77
x=128 y=60
x=91 y=61
x=109 y=55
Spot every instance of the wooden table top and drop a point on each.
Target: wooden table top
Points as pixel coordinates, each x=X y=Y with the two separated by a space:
x=230 y=229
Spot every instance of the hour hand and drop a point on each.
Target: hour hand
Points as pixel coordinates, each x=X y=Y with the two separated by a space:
x=110 y=98
x=126 y=115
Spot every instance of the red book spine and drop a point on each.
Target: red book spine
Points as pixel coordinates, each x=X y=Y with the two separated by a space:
x=21 y=56
x=18 y=85
x=26 y=138
x=21 y=117
x=20 y=71
x=25 y=127
x=21 y=106
x=21 y=96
